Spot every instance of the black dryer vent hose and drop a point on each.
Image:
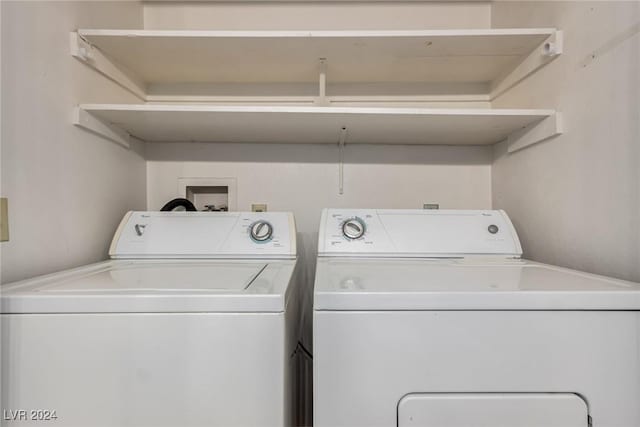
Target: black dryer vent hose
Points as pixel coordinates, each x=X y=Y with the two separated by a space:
x=179 y=202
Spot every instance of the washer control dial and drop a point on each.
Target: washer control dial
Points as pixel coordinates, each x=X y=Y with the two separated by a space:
x=353 y=228
x=261 y=231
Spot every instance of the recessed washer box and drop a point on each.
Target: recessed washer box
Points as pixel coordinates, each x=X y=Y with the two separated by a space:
x=209 y=192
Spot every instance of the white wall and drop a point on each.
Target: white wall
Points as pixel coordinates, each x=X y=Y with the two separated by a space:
x=304 y=178
x=315 y=15
x=67 y=189
x=1 y=133
x=575 y=200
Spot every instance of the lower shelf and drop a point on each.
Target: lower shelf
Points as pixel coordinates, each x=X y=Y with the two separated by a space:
x=296 y=124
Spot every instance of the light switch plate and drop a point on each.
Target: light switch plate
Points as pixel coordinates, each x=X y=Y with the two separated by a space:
x=4 y=219
x=258 y=207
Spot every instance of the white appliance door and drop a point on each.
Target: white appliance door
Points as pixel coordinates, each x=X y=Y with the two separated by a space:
x=145 y=369
x=492 y=410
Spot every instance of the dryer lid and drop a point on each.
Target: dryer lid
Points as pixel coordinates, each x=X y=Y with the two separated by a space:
x=421 y=233
x=405 y=284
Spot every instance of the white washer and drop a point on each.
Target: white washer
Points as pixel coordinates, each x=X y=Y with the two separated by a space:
x=192 y=323
x=431 y=318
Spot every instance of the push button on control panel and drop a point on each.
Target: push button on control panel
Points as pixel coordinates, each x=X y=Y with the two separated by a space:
x=493 y=229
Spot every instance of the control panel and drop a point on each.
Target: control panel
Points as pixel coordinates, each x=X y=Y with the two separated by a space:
x=205 y=235
x=416 y=233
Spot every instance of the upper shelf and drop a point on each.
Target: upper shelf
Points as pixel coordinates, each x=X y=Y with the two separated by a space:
x=452 y=56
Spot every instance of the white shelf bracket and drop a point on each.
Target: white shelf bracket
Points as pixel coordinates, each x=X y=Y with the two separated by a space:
x=322 y=87
x=88 y=122
x=341 y=143
x=535 y=133
x=94 y=58
x=546 y=52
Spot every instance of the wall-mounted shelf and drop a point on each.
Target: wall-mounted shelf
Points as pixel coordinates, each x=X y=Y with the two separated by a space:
x=241 y=82
x=139 y=59
x=293 y=124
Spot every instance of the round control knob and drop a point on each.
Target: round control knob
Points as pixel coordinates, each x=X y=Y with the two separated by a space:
x=261 y=231
x=353 y=228
x=493 y=229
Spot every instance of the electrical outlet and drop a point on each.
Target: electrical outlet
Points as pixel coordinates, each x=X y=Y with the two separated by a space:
x=431 y=206
x=258 y=207
x=4 y=219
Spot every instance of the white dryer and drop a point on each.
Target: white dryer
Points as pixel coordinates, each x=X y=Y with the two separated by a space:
x=432 y=319
x=192 y=323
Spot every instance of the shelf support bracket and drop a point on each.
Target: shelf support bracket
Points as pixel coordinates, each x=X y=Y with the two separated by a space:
x=92 y=57
x=535 y=133
x=89 y=122
x=549 y=50
x=322 y=87
x=341 y=143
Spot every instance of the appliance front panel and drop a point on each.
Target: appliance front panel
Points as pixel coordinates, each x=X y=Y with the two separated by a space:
x=366 y=362
x=148 y=370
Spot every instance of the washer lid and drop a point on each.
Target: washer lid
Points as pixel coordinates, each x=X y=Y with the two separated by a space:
x=405 y=284
x=155 y=286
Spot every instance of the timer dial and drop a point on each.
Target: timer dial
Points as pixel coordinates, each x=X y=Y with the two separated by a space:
x=261 y=231
x=353 y=228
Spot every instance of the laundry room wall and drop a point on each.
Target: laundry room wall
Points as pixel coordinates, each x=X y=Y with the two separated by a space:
x=1 y=194
x=575 y=199
x=303 y=178
x=67 y=189
x=315 y=15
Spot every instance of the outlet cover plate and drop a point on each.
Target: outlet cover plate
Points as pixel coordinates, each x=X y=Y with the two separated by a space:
x=258 y=207
x=4 y=219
